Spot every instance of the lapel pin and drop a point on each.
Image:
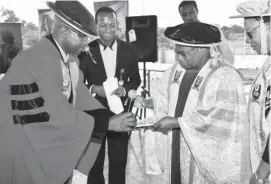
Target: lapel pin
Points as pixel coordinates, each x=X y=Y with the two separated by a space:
x=256 y=91
x=121 y=82
x=65 y=85
x=177 y=76
x=198 y=82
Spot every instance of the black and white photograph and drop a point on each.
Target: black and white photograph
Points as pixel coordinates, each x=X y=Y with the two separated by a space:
x=135 y=92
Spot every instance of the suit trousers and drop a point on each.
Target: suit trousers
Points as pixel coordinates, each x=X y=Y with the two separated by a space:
x=117 y=156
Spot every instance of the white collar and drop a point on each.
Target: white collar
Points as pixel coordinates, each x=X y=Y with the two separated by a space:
x=113 y=46
x=63 y=54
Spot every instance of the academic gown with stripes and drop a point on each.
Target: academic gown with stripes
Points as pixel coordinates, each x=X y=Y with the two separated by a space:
x=43 y=137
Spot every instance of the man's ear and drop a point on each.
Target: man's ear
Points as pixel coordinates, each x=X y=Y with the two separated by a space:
x=268 y=25
x=63 y=32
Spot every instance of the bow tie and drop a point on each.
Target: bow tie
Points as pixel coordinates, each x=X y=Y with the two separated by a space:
x=105 y=46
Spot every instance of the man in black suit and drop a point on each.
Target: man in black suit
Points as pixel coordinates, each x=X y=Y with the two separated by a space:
x=110 y=57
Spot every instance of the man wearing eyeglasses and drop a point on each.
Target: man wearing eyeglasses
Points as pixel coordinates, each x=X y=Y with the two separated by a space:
x=256 y=16
x=110 y=57
x=51 y=128
x=201 y=132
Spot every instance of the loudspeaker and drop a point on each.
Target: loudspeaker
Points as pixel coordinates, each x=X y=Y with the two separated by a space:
x=141 y=31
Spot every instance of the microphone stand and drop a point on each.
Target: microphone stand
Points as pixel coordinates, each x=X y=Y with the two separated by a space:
x=144 y=93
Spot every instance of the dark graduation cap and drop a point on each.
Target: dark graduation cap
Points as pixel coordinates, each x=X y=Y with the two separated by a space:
x=74 y=14
x=194 y=34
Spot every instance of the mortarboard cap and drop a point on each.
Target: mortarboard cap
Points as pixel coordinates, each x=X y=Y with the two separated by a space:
x=253 y=9
x=194 y=34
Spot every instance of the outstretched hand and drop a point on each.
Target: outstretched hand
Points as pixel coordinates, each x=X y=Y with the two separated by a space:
x=99 y=90
x=140 y=102
x=165 y=124
x=124 y=122
x=120 y=92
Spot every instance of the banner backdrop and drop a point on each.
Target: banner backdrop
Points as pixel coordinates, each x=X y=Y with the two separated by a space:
x=121 y=8
x=46 y=17
x=10 y=44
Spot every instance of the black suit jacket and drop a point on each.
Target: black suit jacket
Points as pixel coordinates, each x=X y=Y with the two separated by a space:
x=95 y=74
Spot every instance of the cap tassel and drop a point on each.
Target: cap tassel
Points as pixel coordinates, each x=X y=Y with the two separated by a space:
x=263 y=37
x=216 y=57
x=245 y=44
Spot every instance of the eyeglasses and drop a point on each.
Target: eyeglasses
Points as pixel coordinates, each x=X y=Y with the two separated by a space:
x=180 y=53
x=84 y=38
x=80 y=35
x=183 y=53
x=249 y=33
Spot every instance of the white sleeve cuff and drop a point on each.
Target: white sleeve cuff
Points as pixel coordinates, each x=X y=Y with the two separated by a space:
x=180 y=121
x=79 y=177
x=124 y=91
x=1 y=76
x=93 y=94
x=154 y=104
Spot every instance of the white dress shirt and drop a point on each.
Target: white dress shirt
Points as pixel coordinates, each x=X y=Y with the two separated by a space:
x=65 y=68
x=109 y=56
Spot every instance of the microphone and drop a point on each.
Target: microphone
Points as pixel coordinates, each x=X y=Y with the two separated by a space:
x=132 y=94
x=121 y=82
x=130 y=105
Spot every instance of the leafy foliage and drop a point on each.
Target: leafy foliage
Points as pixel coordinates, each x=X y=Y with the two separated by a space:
x=30 y=32
x=9 y=16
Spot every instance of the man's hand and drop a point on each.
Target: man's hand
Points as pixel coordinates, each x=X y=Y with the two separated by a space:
x=99 y=90
x=124 y=122
x=120 y=92
x=141 y=102
x=253 y=180
x=166 y=123
x=262 y=172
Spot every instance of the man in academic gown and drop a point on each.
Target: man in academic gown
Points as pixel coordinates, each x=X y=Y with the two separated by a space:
x=200 y=110
x=51 y=126
x=256 y=16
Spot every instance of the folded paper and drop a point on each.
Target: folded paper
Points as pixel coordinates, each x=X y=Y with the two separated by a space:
x=114 y=102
